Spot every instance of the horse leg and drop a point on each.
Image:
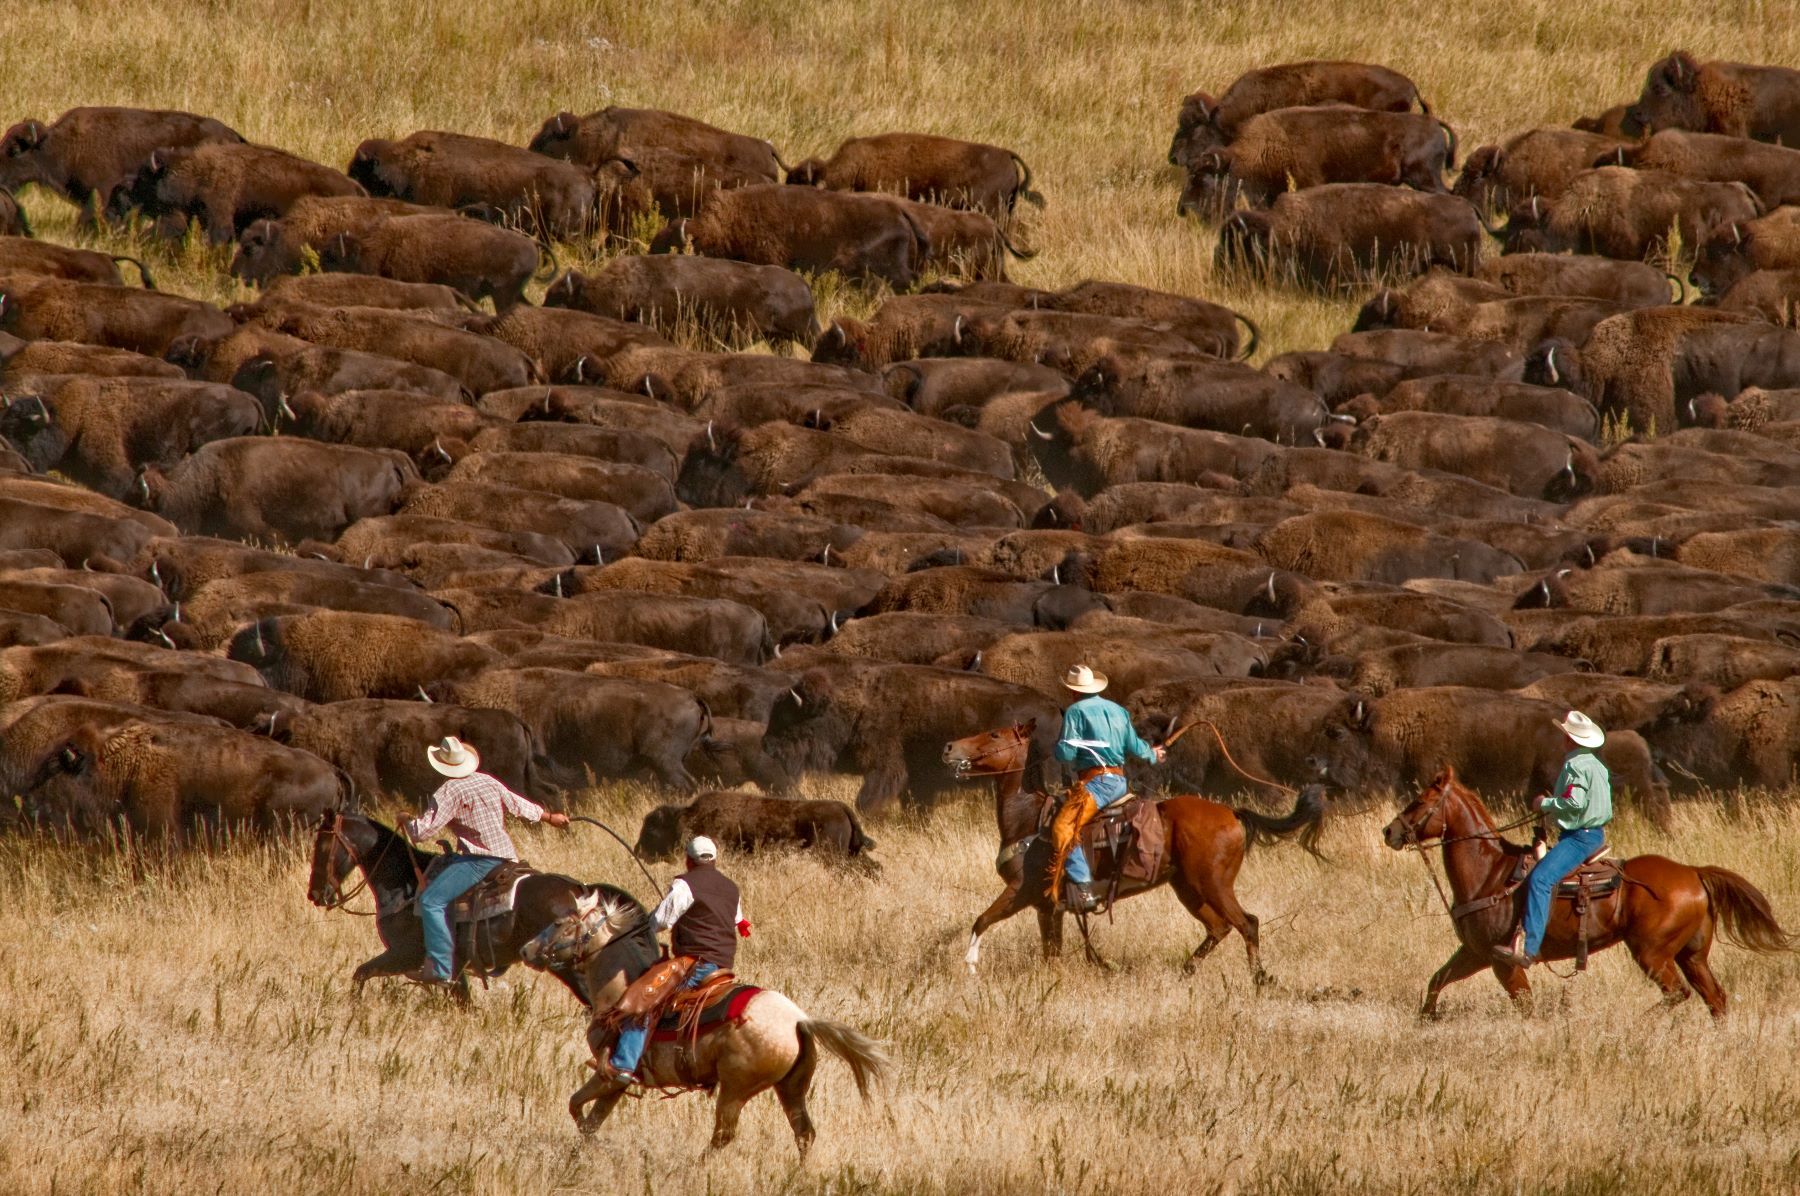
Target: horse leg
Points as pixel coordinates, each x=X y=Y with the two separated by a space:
x=1692 y=961
x=391 y=962
x=1002 y=908
x=1460 y=966
x=1050 y=930
x=725 y=1117
x=1658 y=963
x=1216 y=925
x=792 y=1088
x=1514 y=981
x=604 y=1095
x=1212 y=881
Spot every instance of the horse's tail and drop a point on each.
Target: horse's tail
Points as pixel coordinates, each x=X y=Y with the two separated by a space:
x=1306 y=820
x=1742 y=912
x=867 y=1058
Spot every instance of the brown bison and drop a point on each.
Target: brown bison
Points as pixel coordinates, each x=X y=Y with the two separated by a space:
x=961 y=174
x=225 y=186
x=1293 y=148
x=739 y=300
x=21 y=255
x=1535 y=164
x=334 y=656
x=101 y=314
x=1205 y=122
x=481 y=363
x=270 y=248
x=277 y=490
x=1735 y=249
x=85 y=151
x=1733 y=98
x=1333 y=235
x=744 y=822
x=474 y=257
x=367 y=290
x=683 y=160
x=380 y=744
x=1771 y=171
x=1618 y=212
x=1631 y=284
x=800 y=228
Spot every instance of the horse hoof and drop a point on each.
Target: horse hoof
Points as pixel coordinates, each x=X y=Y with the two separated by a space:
x=1262 y=979
x=1189 y=967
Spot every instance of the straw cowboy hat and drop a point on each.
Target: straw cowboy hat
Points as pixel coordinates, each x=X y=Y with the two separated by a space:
x=1582 y=729
x=453 y=757
x=1084 y=680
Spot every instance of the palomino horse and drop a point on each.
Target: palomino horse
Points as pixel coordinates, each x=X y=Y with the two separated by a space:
x=1665 y=912
x=774 y=1044
x=392 y=870
x=1207 y=841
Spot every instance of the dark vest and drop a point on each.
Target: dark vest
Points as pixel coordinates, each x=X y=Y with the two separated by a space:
x=708 y=931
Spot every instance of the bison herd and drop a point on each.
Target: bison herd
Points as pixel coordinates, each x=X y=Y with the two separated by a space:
x=253 y=559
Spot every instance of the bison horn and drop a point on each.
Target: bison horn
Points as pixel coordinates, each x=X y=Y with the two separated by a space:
x=261 y=649
x=1592 y=559
x=649 y=386
x=798 y=700
x=368 y=560
x=956 y=330
x=712 y=443
x=834 y=622
x=1737 y=239
x=1258 y=633
x=1271 y=585
x=1550 y=361
x=1359 y=710
x=1544 y=585
x=163 y=636
x=155 y=575
x=85 y=567
x=559 y=589
x=175 y=614
x=580 y=376
x=1319 y=437
x=825 y=557
x=1037 y=431
x=1056 y=575
x=437 y=447
x=423 y=696
x=282 y=409
x=975 y=662
x=778 y=656
x=599 y=555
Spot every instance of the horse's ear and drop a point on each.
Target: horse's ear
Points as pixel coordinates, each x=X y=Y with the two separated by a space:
x=586 y=903
x=1028 y=727
x=1450 y=773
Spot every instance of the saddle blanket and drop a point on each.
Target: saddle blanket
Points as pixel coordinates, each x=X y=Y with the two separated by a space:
x=1128 y=836
x=729 y=1008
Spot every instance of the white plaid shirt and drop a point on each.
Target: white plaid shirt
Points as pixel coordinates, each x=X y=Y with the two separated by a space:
x=474 y=808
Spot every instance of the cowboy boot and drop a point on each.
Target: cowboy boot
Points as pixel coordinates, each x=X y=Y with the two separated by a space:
x=1513 y=954
x=1078 y=897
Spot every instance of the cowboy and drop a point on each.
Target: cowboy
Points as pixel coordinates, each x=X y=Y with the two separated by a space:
x=474 y=806
x=699 y=911
x=1581 y=804
x=1097 y=736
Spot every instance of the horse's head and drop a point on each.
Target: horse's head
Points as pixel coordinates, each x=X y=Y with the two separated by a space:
x=573 y=939
x=1425 y=818
x=332 y=860
x=991 y=753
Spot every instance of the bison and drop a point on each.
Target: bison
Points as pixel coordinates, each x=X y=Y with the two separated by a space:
x=744 y=822
x=1330 y=236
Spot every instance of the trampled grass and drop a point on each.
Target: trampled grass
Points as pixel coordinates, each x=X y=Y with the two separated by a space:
x=187 y=1026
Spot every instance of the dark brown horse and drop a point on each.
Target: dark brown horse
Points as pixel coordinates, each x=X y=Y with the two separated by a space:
x=392 y=869
x=1665 y=912
x=1207 y=842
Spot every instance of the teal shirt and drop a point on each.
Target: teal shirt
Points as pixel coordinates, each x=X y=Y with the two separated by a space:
x=1583 y=794
x=1107 y=728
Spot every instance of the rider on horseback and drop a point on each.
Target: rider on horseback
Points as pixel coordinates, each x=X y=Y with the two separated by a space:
x=473 y=806
x=1582 y=806
x=699 y=912
x=1097 y=736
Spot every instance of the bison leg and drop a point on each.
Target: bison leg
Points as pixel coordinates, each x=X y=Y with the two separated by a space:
x=1460 y=966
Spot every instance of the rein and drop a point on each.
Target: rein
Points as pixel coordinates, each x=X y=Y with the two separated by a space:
x=1418 y=844
x=629 y=849
x=343 y=899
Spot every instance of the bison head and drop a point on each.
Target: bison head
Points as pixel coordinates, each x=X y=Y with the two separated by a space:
x=1381 y=311
x=1195 y=130
x=671 y=238
x=1348 y=759
x=27 y=423
x=18 y=157
x=809 y=172
x=567 y=291
x=556 y=139
x=1670 y=99
x=373 y=166
x=807 y=731
x=1709 y=410
x=1244 y=242
x=1211 y=188
x=62 y=790
x=1475 y=183
x=1555 y=362
x=1551 y=591
x=256 y=645
x=1724 y=257
x=711 y=475
x=660 y=837
x=343 y=254
x=263 y=253
x=842 y=343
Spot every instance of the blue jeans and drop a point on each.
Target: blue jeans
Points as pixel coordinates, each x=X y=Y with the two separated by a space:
x=456 y=877
x=1540 y=887
x=1105 y=789
x=630 y=1047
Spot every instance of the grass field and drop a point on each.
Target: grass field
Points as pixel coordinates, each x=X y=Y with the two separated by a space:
x=187 y=1026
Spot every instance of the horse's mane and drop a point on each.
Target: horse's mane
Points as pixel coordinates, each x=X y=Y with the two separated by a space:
x=1485 y=816
x=389 y=835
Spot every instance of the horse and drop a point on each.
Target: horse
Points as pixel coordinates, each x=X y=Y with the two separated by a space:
x=393 y=870
x=773 y=1044
x=1207 y=842
x=1665 y=912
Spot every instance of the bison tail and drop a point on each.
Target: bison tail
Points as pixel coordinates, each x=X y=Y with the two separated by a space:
x=1024 y=190
x=352 y=800
x=920 y=240
x=1678 y=291
x=859 y=842
x=1424 y=108
x=1742 y=913
x=143 y=272
x=706 y=720
x=1449 y=145
x=1249 y=350
x=867 y=1058
x=1023 y=255
x=1306 y=821
x=547 y=267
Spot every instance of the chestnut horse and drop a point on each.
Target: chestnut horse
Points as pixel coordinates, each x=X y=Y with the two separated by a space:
x=1207 y=841
x=1665 y=912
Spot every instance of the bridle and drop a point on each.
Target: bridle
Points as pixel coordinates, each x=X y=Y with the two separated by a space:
x=1438 y=792
x=1013 y=743
x=334 y=879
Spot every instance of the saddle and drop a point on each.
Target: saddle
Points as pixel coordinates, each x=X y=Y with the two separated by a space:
x=492 y=896
x=677 y=1014
x=1126 y=842
x=1595 y=877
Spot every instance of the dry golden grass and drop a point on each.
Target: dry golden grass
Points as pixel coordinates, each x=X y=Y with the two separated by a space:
x=185 y=1027
x=188 y=1027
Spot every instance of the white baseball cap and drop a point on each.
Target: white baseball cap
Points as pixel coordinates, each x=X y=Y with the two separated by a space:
x=702 y=848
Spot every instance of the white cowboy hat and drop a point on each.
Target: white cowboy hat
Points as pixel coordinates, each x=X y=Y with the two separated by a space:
x=702 y=848
x=453 y=757
x=1582 y=729
x=1084 y=680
